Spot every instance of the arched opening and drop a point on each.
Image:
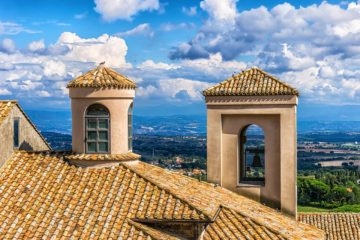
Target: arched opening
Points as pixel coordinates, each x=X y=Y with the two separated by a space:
x=130 y=129
x=252 y=154
x=97 y=129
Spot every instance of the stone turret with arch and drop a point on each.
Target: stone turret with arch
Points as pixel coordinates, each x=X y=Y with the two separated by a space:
x=101 y=105
x=259 y=163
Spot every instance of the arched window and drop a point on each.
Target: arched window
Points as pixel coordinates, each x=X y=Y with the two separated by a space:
x=97 y=129
x=130 y=130
x=252 y=154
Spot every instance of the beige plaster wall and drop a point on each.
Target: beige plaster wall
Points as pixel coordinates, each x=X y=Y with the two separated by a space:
x=101 y=93
x=226 y=117
x=232 y=126
x=29 y=138
x=117 y=102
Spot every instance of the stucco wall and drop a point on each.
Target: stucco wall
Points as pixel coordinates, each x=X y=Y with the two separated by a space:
x=226 y=117
x=29 y=138
x=232 y=125
x=117 y=101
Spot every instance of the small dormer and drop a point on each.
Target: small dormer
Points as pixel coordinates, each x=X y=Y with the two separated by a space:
x=101 y=105
x=251 y=138
x=17 y=132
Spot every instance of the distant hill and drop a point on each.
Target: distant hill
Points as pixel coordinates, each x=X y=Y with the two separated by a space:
x=58 y=141
x=177 y=125
x=51 y=121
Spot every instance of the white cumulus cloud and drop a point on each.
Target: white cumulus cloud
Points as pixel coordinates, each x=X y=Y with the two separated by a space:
x=346 y=28
x=43 y=93
x=174 y=89
x=124 y=9
x=192 y=88
x=31 y=77
x=142 y=29
x=106 y=48
x=150 y=64
x=224 y=10
x=314 y=48
x=146 y=91
x=7 y=45
x=296 y=62
x=37 y=46
x=4 y=92
x=52 y=68
x=215 y=66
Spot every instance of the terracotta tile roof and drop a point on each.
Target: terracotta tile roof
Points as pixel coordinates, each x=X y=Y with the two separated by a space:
x=141 y=231
x=44 y=197
x=230 y=224
x=102 y=77
x=5 y=108
x=104 y=157
x=208 y=199
x=342 y=226
x=251 y=82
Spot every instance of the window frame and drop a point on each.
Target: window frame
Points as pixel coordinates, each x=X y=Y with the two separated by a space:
x=97 y=118
x=16 y=133
x=243 y=179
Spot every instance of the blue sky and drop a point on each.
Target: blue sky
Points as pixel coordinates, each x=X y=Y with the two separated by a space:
x=175 y=49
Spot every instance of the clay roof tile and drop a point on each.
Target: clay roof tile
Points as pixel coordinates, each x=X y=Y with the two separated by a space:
x=102 y=77
x=5 y=108
x=251 y=82
x=114 y=202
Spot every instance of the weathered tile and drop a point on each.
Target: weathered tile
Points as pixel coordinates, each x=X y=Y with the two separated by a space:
x=102 y=77
x=251 y=82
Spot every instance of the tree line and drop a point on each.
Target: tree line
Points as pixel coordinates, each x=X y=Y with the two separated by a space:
x=329 y=188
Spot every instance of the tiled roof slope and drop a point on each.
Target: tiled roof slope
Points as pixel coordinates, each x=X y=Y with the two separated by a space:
x=208 y=198
x=44 y=197
x=5 y=108
x=102 y=77
x=230 y=224
x=251 y=82
x=140 y=231
x=341 y=226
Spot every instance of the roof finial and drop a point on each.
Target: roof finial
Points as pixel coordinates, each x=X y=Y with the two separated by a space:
x=101 y=64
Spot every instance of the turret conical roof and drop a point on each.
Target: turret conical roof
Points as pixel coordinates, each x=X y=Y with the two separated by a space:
x=102 y=77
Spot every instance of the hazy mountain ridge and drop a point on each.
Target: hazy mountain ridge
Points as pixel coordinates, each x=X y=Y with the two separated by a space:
x=177 y=125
